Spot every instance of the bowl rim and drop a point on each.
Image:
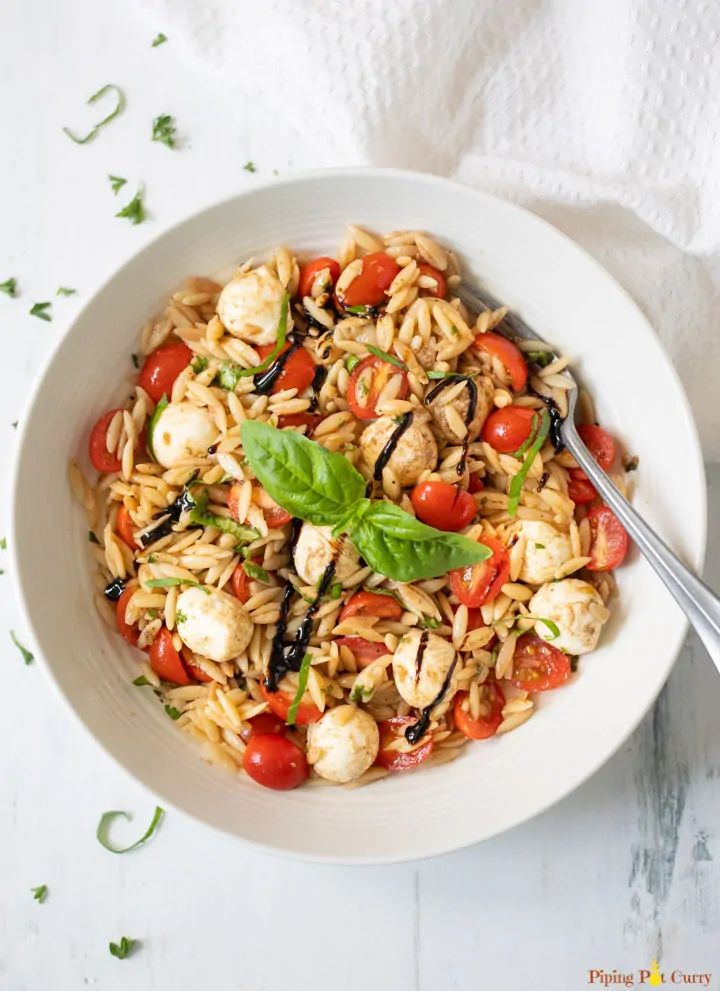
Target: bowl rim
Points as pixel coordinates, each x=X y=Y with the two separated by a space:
x=433 y=847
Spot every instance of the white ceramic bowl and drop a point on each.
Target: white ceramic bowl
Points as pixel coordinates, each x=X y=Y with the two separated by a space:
x=496 y=784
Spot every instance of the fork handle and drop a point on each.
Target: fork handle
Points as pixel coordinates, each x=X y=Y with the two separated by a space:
x=698 y=602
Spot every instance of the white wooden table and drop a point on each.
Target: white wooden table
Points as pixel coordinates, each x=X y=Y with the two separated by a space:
x=626 y=869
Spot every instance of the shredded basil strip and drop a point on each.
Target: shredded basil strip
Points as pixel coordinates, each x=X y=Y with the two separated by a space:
x=255 y=572
x=106 y=820
x=518 y=480
x=169 y=582
x=279 y=344
x=534 y=424
x=152 y=422
x=199 y=515
x=119 y=107
x=302 y=685
x=351 y=361
x=384 y=356
x=445 y=375
x=551 y=625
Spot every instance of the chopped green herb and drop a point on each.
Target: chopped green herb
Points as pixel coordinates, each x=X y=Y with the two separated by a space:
x=119 y=107
x=198 y=514
x=228 y=376
x=199 y=363
x=64 y=291
x=152 y=558
x=275 y=172
x=430 y=623
x=361 y=388
x=384 y=356
x=40 y=893
x=163 y=130
x=40 y=310
x=141 y=681
x=360 y=694
x=180 y=616
x=303 y=675
x=359 y=311
x=172 y=711
x=134 y=211
x=279 y=344
x=255 y=572
x=534 y=424
x=92 y=538
x=541 y=358
x=540 y=547
x=2 y=571
x=106 y=820
x=335 y=590
x=551 y=625
x=455 y=332
x=9 y=286
x=169 y=582
x=3 y=543
x=351 y=361
x=14 y=424
x=159 y=39
x=436 y=374
x=518 y=480
x=26 y=655
x=152 y=614
x=250 y=167
x=122 y=949
x=117 y=183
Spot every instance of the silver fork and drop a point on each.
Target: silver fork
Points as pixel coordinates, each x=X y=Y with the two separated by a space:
x=695 y=598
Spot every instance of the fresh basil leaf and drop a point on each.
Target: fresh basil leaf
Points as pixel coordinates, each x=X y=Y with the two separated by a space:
x=106 y=820
x=159 y=39
x=152 y=422
x=279 y=344
x=119 y=107
x=134 y=211
x=117 y=183
x=163 y=130
x=303 y=676
x=384 y=356
x=40 y=893
x=255 y=572
x=397 y=545
x=40 y=310
x=170 y=582
x=9 y=286
x=300 y=475
x=26 y=655
x=122 y=949
x=518 y=480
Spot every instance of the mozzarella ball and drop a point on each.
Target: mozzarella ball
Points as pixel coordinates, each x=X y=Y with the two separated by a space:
x=415 y=452
x=182 y=431
x=316 y=548
x=343 y=744
x=215 y=625
x=546 y=550
x=461 y=404
x=420 y=666
x=249 y=307
x=577 y=609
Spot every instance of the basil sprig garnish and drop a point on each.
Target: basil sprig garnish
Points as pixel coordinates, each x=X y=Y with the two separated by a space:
x=518 y=480
x=325 y=489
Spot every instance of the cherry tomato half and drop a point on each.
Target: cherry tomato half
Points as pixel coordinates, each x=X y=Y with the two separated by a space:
x=298 y=372
x=600 y=444
x=492 y=701
x=364 y=651
x=240 y=584
x=266 y=722
x=371 y=604
x=280 y=702
x=581 y=491
x=309 y=270
x=444 y=506
x=537 y=665
x=101 y=458
x=307 y=420
x=609 y=540
x=275 y=516
x=509 y=355
x=196 y=674
x=481 y=583
x=367 y=380
x=275 y=762
x=394 y=760
x=125 y=630
x=475 y=483
x=430 y=272
x=162 y=366
x=125 y=527
x=368 y=288
x=507 y=429
x=166 y=661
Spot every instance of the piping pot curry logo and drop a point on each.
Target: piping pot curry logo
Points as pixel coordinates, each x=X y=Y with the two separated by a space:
x=652 y=977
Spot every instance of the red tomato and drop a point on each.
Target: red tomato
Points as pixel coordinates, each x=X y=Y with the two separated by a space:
x=364 y=651
x=101 y=458
x=481 y=583
x=309 y=270
x=581 y=491
x=266 y=722
x=600 y=444
x=299 y=370
x=609 y=539
x=362 y=403
x=166 y=661
x=508 y=428
x=390 y=730
x=487 y=723
x=371 y=604
x=368 y=288
x=538 y=666
x=275 y=762
x=444 y=506
x=440 y=291
x=475 y=620
x=475 y=483
x=240 y=584
x=124 y=526
x=281 y=701
x=162 y=366
x=234 y=500
x=276 y=516
x=308 y=420
x=196 y=673
x=510 y=356
x=125 y=630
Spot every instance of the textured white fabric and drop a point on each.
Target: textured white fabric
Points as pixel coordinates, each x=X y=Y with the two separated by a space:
x=601 y=117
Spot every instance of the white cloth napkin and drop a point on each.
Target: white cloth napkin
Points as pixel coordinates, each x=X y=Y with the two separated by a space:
x=604 y=118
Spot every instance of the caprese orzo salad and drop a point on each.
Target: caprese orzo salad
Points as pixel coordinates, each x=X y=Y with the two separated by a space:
x=335 y=520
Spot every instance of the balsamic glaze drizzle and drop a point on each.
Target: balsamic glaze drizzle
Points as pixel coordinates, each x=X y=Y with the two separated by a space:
x=114 y=589
x=387 y=452
x=420 y=654
x=267 y=379
x=415 y=733
x=556 y=422
x=167 y=517
x=469 y=415
x=321 y=373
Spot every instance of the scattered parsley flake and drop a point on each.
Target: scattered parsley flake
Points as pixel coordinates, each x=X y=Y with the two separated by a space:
x=360 y=694
x=141 y=681
x=159 y=39
x=9 y=286
x=117 y=183
x=199 y=363
x=65 y=291
x=122 y=949
x=250 y=167
x=430 y=623
x=119 y=107
x=40 y=310
x=180 y=617
x=163 y=130
x=134 y=211
x=40 y=893
x=3 y=544
x=173 y=712
x=27 y=656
